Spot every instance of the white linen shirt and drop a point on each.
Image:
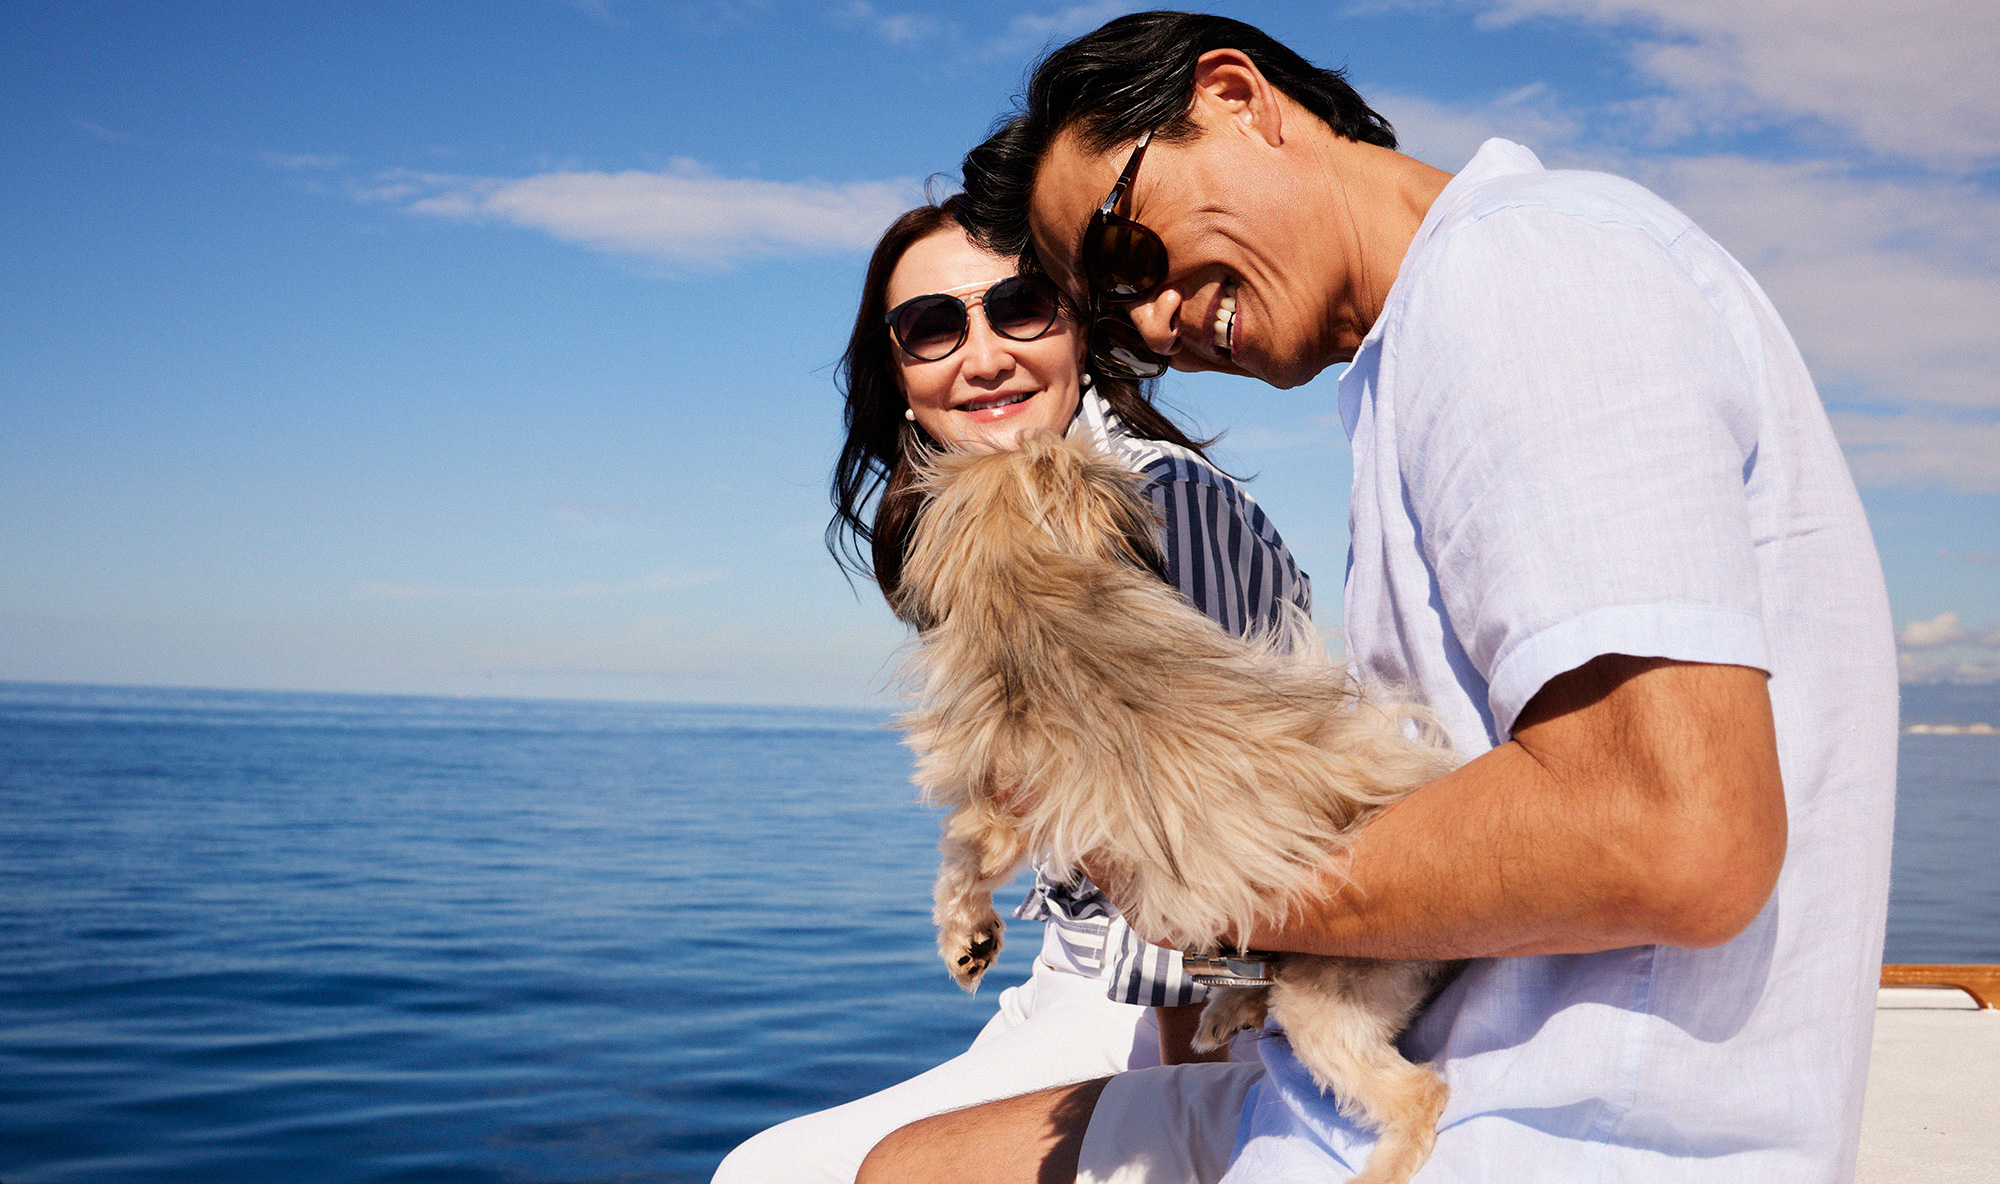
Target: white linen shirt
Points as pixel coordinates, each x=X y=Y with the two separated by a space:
x=1579 y=428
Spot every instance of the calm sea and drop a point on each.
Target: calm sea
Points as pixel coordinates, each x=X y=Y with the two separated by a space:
x=284 y=937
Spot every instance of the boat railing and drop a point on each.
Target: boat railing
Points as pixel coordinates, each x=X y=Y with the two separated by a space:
x=1980 y=982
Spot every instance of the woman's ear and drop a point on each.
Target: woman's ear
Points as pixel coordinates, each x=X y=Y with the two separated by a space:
x=1230 y=88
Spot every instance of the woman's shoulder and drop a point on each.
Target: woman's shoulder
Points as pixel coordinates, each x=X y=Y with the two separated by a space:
x=1181 y=467
x=1190 y=491
x=1186 y=482
x=1160 y=462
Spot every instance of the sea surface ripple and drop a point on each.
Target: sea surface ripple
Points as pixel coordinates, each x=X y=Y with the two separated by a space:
x=269 y=937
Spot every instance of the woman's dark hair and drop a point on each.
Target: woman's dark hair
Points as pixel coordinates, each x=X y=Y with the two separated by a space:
x=1136 y=72
x=878 y=462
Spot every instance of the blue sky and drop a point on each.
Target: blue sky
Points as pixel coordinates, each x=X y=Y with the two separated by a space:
x=486 y=348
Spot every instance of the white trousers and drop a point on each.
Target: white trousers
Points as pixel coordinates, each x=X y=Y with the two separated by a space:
x=1054 y=1029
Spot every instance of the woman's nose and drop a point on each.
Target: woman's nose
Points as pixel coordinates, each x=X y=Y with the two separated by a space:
x=986 y=352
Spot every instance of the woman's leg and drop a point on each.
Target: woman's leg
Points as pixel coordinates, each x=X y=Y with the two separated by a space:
x=1055 y=1029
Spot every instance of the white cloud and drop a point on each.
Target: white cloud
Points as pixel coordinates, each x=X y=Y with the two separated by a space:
x=685 y=214
x=1906 y=78
x=1942 y=650
x=1932 y=668
x=302 y=161
x=1030 y=32
x=597 y=10
x=1889 y=281
x=107 y=134
x=900 y=28
x=1942 y=629
x=1921 y=450
x=1446 y=136
x=1891 y=285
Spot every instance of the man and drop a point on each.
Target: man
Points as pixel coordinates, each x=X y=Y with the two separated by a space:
x=1601 y=525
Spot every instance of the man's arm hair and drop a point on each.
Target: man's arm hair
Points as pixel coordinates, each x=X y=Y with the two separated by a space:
x=1639 y=802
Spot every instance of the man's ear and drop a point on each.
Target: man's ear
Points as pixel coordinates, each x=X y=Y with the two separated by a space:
x=1230 y=88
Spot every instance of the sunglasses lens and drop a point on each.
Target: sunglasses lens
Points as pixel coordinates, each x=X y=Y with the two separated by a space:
x=1119 y=350
x=1020 y=308
x=1123 y=260
x=930 y=327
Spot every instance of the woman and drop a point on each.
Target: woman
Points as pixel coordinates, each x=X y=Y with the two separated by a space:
x=954 y=350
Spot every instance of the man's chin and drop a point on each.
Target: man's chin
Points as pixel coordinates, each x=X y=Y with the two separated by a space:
x=1197 y=364
x=1282 y=373
x=1240 y=367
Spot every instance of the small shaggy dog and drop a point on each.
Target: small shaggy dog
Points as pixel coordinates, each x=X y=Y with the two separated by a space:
x=1075 y=707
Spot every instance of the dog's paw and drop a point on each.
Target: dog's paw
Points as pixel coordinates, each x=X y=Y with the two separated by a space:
x=1230 y=1010
x=975 y=957
x=971 y=945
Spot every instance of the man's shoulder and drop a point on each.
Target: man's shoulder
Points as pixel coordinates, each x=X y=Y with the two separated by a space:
x=1539 y=201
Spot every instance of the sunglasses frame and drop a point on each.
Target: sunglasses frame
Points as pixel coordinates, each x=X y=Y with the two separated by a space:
x=1117 y=347
x=979 y=295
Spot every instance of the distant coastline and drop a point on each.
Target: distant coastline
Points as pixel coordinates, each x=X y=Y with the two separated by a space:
x=1927 y=709
x=1951 y=709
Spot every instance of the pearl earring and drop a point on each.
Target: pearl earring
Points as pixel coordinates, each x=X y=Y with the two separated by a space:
x=910 y=413
x=1086 y=380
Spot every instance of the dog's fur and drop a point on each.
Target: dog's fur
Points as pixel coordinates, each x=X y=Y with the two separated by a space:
x=1073 y=706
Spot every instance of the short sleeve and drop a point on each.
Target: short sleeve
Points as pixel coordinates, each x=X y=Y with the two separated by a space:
x=1575 y=434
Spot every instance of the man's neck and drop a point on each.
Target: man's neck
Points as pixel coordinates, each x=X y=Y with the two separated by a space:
x=1377 y=199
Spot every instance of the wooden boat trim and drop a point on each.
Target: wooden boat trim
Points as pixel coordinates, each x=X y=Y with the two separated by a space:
x=1980 y=982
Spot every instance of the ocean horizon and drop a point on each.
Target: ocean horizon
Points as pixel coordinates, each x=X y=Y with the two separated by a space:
x=287 y=936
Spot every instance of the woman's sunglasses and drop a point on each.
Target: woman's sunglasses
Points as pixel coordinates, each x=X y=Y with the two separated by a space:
x=1123 y=264
x=930 y=328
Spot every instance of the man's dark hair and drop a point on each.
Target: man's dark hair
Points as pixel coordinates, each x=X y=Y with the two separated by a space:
x=1136 y=72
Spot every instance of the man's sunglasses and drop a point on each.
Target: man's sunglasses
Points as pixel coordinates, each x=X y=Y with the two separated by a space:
x=930 y=328
x=1123 y=264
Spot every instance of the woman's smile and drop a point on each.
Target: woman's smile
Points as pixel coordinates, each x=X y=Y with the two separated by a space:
x=996 y=406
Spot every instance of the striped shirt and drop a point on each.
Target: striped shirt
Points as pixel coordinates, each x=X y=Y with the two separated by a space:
x=1226 y=558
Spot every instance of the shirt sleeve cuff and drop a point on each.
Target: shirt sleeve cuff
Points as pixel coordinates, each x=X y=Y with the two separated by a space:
x=1682 y=632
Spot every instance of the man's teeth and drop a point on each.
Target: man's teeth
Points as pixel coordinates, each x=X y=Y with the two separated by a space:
x=1225 y=321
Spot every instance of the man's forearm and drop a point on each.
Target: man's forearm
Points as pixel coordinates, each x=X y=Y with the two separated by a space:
x=1639 y=803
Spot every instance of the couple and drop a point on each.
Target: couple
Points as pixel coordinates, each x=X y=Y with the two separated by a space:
x=1600 y=524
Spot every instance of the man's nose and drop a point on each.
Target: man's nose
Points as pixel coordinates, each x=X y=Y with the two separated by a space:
x=1157 y=318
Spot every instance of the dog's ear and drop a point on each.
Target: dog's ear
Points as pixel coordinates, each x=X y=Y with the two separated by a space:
x=985 y=514
x=1091 y=504
x=966 y=499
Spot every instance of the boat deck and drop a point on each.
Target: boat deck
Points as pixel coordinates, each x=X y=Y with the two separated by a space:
x=1933 y=1109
